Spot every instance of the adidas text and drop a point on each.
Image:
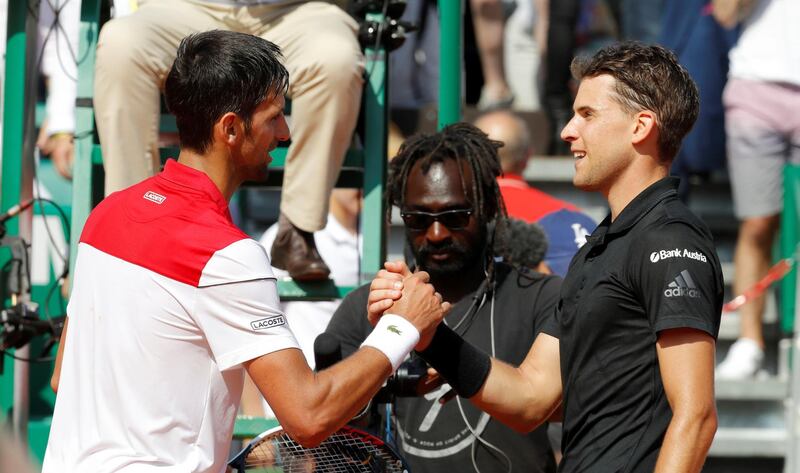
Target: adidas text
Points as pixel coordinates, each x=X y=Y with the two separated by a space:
x=682 y=292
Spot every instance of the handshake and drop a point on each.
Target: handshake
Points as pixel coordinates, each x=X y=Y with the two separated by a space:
x=396 y=290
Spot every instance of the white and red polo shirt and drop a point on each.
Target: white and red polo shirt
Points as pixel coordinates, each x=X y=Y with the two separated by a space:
x=169 y=298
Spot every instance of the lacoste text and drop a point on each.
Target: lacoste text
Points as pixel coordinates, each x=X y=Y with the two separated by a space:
x=268 y=322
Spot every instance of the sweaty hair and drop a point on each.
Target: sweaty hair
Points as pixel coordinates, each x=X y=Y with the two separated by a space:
x=216 y=72
x=463 y=143
x=648 y=77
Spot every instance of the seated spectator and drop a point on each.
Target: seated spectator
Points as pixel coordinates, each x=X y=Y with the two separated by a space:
x=325 y=67
x=565 y=225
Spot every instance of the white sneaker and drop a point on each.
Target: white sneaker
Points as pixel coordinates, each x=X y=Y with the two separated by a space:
x=743 y=361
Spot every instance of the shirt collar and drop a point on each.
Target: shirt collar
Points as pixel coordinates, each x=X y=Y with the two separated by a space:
x=195 y=180
x=636 y=209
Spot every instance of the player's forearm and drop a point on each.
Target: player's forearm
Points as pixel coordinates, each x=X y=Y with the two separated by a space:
x=522 y=397
x=519 y=399
x=331 y=397
x=687 y=440
x=336 y=395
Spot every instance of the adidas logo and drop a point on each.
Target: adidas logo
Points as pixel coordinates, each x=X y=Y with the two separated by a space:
x=682 y=286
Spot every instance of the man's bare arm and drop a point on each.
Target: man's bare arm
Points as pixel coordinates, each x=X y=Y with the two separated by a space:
x=524 y=397
x=521 y=397
x=59 y=356
x=686 y=359
x=311 y=406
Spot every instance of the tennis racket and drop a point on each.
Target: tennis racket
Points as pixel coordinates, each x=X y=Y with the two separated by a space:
x=348 y=450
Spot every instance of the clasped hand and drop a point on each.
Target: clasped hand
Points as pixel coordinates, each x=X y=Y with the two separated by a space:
x=397 y=290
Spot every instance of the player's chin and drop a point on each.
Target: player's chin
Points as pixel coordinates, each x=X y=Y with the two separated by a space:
x=257 y=174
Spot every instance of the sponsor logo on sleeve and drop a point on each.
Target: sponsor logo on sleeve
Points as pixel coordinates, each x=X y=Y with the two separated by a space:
x=269 y=322
x=661 y=255
x=682 y=286
x=154 y=197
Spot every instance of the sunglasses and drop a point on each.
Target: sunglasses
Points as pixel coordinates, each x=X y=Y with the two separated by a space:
x=452 y=219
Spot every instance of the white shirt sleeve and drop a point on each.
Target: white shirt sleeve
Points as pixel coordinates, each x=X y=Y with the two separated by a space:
x=242 y=321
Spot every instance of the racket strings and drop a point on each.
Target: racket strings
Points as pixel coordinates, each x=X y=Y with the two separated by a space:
x=343 y=452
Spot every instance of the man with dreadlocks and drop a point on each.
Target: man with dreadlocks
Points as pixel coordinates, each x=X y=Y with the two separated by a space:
x=445 y=187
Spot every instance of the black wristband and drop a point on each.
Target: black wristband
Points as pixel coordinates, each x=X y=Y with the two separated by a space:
x=463 y=365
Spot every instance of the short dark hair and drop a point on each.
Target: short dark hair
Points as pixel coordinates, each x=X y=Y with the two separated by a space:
x=648 y=77
x=216 y=72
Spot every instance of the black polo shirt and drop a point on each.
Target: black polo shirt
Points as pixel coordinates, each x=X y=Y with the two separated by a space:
x=653 y=268
x=434 y=438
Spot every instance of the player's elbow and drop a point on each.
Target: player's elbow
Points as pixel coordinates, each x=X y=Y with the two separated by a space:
x=308 y=438
x=708 y=422
x=54 y=383
x=699 y=420
x=526 y=419
x=523 y=427
x=529 y=420
x=309 y=429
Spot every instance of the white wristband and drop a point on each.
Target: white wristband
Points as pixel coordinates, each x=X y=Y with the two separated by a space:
x=395 y=337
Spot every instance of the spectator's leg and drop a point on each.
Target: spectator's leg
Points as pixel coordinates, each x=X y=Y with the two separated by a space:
x=757 y=153
x=557 y=101
x=325 y=69
x=752 y=260
x=489 y=22
x=134 y=54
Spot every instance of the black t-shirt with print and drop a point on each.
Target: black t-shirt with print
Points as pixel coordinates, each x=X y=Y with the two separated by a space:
x=654 y=268
x=435 y=438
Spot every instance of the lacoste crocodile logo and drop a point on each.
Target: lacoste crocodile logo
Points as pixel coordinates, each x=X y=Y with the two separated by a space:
x=394 y=329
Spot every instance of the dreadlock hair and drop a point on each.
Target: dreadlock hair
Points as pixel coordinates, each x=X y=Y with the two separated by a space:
x=463 y=143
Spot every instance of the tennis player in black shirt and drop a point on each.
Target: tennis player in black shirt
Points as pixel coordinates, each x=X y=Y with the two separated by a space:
x=630 y=351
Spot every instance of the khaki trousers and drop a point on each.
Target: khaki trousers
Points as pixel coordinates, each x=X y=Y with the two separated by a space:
x=325 y=65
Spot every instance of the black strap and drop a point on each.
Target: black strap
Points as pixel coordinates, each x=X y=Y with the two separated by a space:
x=462 y=364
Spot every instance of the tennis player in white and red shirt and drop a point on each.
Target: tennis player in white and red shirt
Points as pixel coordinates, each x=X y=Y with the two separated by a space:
x=171 y=302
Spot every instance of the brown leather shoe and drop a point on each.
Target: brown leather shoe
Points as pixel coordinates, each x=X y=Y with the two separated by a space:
x=295 y=251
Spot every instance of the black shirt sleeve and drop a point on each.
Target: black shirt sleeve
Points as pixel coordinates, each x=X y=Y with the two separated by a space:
x=349 y=323
x=545 y=306
x=678 y=278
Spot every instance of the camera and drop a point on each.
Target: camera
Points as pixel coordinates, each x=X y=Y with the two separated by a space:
x=406 y=382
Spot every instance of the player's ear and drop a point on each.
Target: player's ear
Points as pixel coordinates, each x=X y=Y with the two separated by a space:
x=644 y=126
x=228 y=129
